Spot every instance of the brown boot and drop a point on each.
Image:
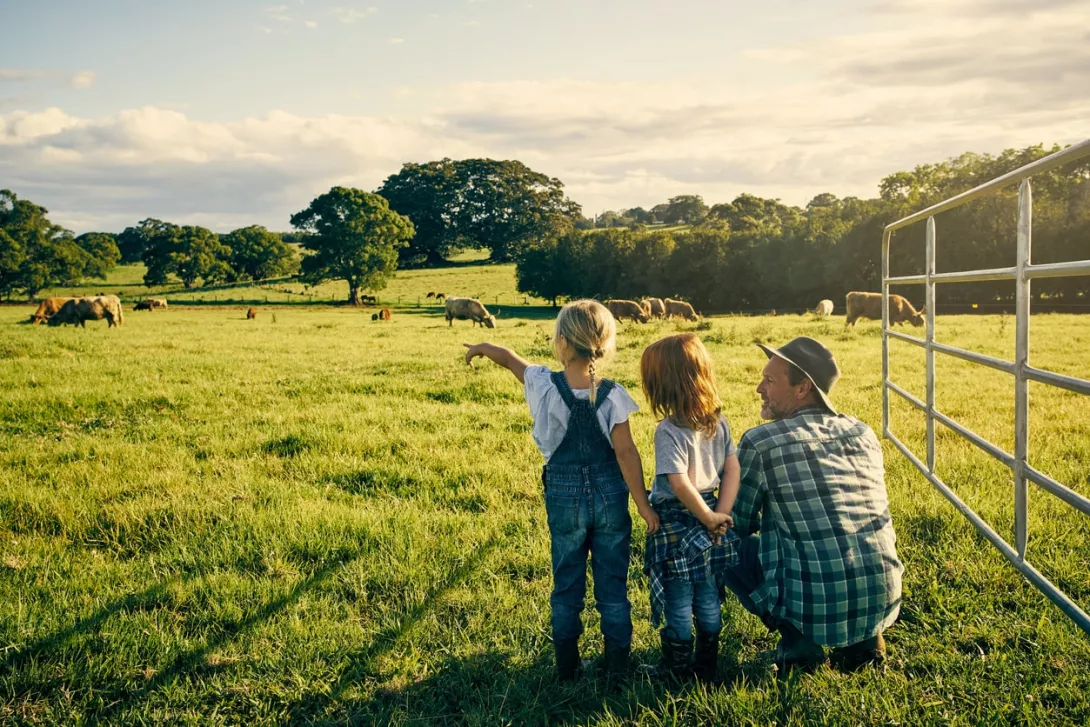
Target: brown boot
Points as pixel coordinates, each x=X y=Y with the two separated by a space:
x=706 y=656
x=860 y=654
x=796 y=651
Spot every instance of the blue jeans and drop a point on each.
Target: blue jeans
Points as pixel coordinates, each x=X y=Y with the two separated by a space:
x=590 y=519
x=686 y=601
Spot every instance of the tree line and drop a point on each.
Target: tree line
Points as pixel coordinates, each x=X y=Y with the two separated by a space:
x=754 y=253
x=750 y=253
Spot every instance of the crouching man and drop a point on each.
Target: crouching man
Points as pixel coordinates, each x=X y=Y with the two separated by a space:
x=822 y=568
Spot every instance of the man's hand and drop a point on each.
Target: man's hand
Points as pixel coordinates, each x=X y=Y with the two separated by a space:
x=474 y=350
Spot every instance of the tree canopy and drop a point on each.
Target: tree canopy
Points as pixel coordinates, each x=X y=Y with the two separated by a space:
x=189 y=252
x=354 y=236
x=500 y=206
x=256 y=253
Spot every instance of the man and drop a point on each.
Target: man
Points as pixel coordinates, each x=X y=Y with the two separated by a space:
x=824 y=569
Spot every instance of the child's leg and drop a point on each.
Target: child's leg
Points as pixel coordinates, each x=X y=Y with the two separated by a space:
x=678 y=609
x=706 y=608
x=610 y=541
x=569 y=539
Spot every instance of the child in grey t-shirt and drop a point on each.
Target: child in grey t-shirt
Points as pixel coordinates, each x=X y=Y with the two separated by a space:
x=694 y=459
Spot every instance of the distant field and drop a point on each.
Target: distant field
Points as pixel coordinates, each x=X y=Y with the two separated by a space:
x=494 y=284
x=311 y=517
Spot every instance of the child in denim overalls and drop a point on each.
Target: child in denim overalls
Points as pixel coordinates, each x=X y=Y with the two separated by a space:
x=591 y=466
x=694 y=456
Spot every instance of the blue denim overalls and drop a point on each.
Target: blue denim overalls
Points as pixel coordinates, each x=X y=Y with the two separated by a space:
x=587 y=504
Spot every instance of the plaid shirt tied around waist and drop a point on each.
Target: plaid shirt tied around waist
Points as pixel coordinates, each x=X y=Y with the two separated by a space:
x=683 y=549
x=813 y=485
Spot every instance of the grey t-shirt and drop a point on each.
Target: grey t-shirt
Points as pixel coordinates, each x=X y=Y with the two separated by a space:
x=680 y=449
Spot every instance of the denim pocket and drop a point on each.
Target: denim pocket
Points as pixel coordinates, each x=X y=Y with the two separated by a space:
x=562 y=512
x=615 y=508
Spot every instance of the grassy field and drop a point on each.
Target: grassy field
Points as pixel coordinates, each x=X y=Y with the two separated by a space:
x=493 y=284
x=314 y=518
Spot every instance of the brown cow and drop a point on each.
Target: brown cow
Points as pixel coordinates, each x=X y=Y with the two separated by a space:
x=431 y=294
x=469 y=309
x=440 y=296
x=251 y=313
x=48 y=308
x=680 y=308
x=382 y=315
x=869 y=305
x=657 y=307
x=628 y=309
x=77 y=311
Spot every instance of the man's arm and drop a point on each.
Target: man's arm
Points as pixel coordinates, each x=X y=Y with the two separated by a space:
x=751 y=490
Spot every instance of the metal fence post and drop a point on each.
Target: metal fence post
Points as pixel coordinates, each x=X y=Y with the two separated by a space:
x=1021 y=360
x=886 y=235
x=929 y=298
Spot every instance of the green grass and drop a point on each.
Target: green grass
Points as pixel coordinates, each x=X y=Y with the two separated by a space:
x=311 y=517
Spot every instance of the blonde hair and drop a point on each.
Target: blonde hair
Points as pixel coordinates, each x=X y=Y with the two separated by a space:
x=679 y=383
x=585 y=329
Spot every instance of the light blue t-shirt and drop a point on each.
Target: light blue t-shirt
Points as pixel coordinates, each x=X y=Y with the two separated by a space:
x=680 y=449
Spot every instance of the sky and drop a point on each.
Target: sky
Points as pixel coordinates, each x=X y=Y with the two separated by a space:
x=226 y=113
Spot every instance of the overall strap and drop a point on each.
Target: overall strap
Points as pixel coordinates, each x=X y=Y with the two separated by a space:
x=604 y=390
x=561 y=385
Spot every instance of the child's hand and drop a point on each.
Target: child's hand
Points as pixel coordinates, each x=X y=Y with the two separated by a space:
x=716 y=522
x=474 y=351
x=652 y=519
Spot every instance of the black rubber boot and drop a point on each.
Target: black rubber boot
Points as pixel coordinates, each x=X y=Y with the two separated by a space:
x=706 y=656
x=796 y=651
x=567 y=659
x=675 y=662
x=616 y=661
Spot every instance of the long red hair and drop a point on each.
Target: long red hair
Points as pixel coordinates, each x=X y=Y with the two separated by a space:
x=679 y=383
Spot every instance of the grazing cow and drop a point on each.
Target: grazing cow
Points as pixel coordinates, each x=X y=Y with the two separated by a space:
x=869 y=305
x=382 y=315
x=680 y=308
x=431 y=294
x=251 y=313
x=48 y=308
x=77 y=311
x=368 y=299
x=469 y=309
x=440 y=296
x=628 y=309
x=657 y=308
x=143 y=305
x=151 y=304
x=823 y=308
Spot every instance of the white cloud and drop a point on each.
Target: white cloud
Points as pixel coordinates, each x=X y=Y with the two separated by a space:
x=311 y=23
x=471 y=23
x=83 y=79
x=350 y=15
x=396 y=41
x=20 y=74
x=853 y=117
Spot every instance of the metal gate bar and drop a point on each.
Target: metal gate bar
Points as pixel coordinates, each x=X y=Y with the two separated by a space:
x=1022 y=273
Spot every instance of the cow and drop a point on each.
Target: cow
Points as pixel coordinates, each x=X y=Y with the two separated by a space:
x=251 y=313
x=622 y=309
x=142 y=305
x=656 y=307
x=431 y=294
x=440 y=296
x=679 y=308
x=77 y=311
x=158 y=303
x=150 y=304
x=382 y=315
x=869 y=305
x=469 y=309
x=823 y=308
x=368 y=299
x=47 y=308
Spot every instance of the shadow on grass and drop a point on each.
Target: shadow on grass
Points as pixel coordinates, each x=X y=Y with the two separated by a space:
x=360 y=664
x=492 y=687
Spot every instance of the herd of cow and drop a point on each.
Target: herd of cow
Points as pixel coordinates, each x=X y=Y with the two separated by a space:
x=77 y=311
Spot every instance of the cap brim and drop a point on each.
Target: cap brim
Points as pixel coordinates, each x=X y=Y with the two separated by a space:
x=770 y=352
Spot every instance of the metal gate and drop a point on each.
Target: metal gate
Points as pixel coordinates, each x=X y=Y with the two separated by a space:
x=1022 y=273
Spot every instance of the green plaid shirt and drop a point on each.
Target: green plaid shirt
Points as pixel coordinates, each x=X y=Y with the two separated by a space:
x=813 y=484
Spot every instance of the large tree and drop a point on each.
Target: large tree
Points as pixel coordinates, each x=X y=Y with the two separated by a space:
x=686 y=209
x=189 y=252
x=103 y=251
x=257 y=253
x=35 y=253
x=354 y=236
x=500 y=206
